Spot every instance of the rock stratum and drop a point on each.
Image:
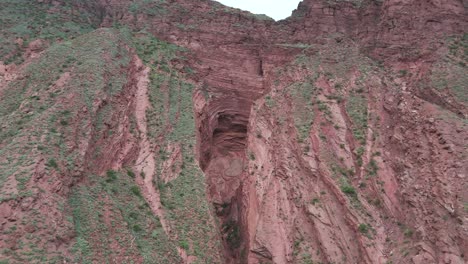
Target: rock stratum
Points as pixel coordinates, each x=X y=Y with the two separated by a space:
x=176 y=131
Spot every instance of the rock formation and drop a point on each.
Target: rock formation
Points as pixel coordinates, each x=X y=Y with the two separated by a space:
x=176 y=131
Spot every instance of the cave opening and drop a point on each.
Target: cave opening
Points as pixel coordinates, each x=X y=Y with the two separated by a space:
x=230 y=135
x=223 y=129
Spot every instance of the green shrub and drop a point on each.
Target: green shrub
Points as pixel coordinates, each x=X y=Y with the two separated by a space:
x=372 y=167
x=363 y=228
x=135 y=190
x=359 y=153
x=133 y=215
x=269 y=101
x=111 y=176
x=348 y=189
x=408 y=232
x=52 y=163
x=184 y=244
x=315 y=201
x=356 y=107
x=137 y=228
x=130 y=173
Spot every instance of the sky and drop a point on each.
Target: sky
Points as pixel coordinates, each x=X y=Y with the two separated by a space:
x=276 y=9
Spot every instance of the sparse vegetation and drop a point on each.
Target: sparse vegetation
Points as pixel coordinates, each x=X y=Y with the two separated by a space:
x=372 y=167
x=130 y=173
x=356 y=107
x=408 y=232
x=171 y=118
x=315 y=201
x=65 y=117
x=402 y=73
x=363 y=228
x=359 y=152
x=132 y=220
x=30 y=20
x=135 y=190
x=303 y=111
x=111 y=176
x=341 y=171
x=449 y=74
x=348 y=189
x=45 y=130
x=184 y=244
x=52 y=163
x=295 y=45
x=269 y=101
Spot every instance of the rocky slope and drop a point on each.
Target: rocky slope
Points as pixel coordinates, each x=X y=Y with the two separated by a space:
x=189 y=132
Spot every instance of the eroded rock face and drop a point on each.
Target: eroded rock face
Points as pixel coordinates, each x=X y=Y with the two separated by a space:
x=337 y=135
x=294 y=203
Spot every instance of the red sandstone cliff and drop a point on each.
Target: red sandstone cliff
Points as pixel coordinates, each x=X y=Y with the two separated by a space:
x=337 y=135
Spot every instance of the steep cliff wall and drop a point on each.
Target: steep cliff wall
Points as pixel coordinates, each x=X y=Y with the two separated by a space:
x=190 y=132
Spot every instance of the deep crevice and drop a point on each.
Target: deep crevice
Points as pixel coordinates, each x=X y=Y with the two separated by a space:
x=222 y=151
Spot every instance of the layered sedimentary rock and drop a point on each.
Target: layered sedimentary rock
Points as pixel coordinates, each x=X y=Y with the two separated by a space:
x=196 y=133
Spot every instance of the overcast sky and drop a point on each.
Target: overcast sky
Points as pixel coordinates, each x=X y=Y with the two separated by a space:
x=276 y=9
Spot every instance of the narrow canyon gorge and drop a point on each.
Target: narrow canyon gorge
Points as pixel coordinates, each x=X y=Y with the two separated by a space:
x=176 y=131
